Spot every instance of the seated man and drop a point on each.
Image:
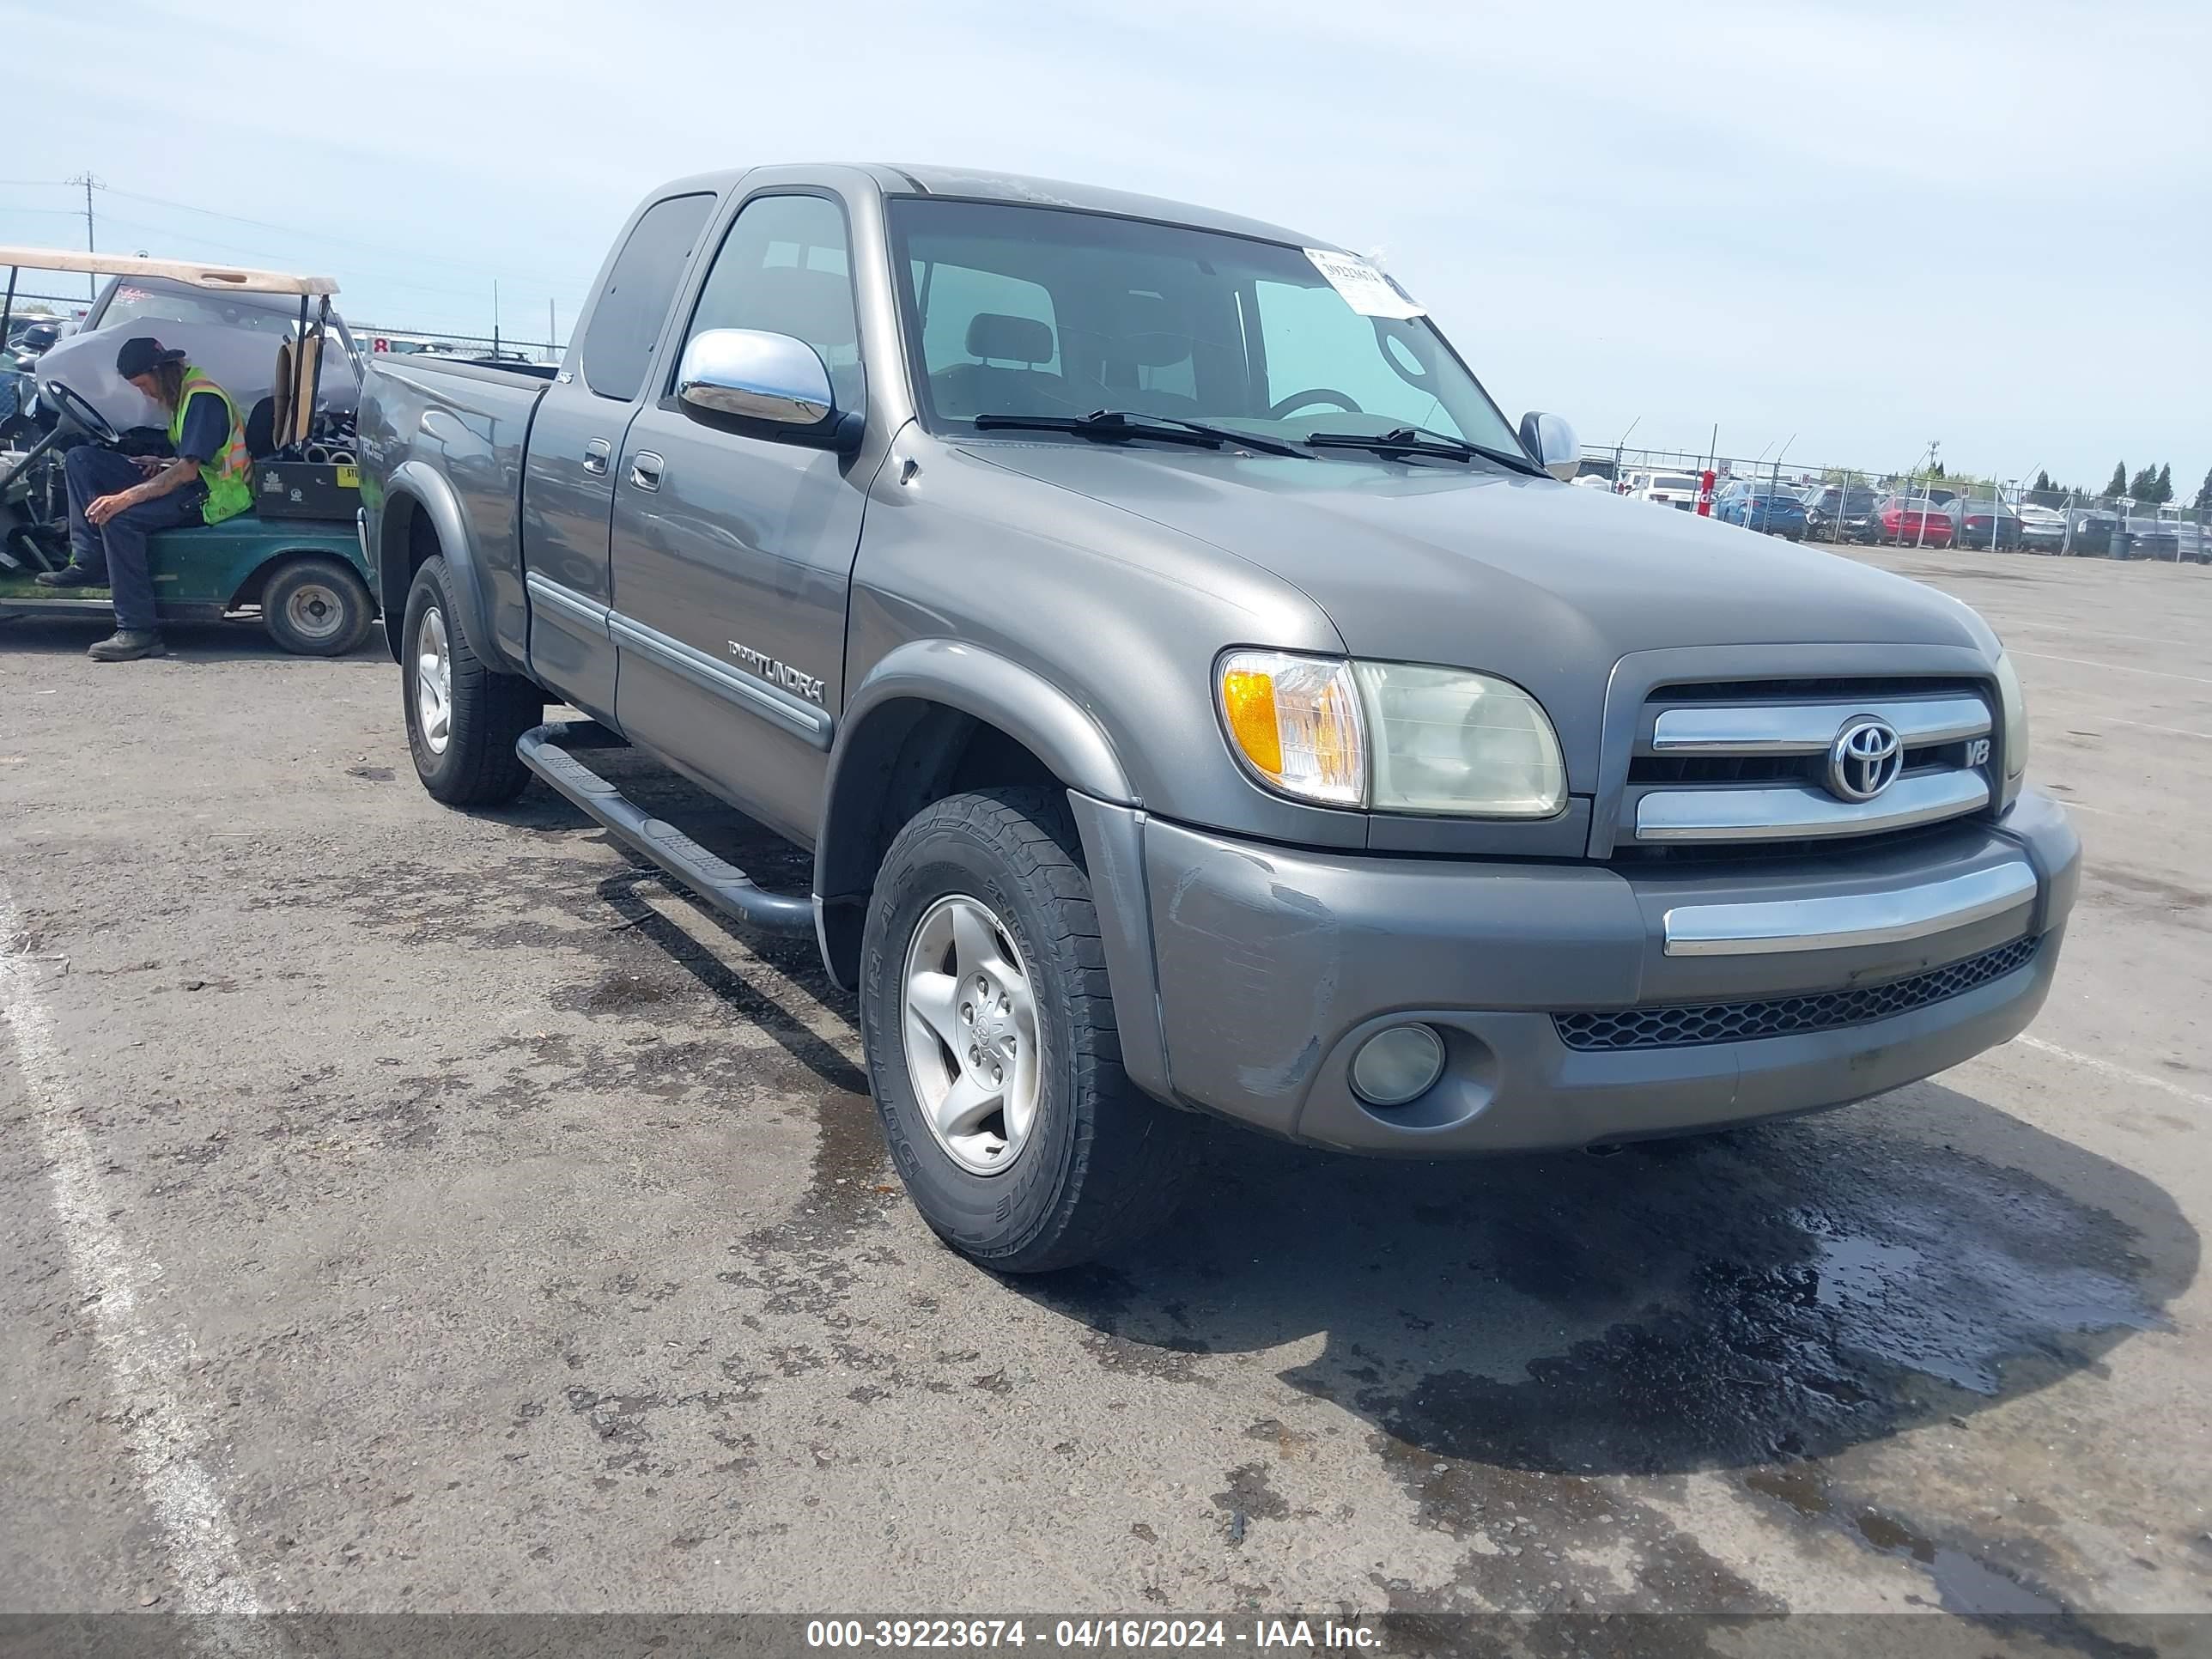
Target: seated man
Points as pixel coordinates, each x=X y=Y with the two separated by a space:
x=115 y=499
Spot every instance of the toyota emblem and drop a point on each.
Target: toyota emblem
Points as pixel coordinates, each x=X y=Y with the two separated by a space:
x=1865 y=759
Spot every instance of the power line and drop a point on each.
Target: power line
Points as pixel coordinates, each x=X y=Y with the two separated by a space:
x=219 y=246
x=295 y=231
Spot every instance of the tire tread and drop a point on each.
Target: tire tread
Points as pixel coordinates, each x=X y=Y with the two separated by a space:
x=490 y=710
x=1130 y=1156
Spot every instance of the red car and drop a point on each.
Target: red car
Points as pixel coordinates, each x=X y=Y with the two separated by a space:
x=1916 y=523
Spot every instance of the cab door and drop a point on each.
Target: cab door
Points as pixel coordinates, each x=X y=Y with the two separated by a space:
x=568 y=465
x=732 y=555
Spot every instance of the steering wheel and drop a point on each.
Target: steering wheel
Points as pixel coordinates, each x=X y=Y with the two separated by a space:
x=77 y=409
x=1319 y=394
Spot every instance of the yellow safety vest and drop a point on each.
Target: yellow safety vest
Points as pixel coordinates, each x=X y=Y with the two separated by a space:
x=228 y=473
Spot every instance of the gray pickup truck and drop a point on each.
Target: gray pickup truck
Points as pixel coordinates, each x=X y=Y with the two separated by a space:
x=1196 y=696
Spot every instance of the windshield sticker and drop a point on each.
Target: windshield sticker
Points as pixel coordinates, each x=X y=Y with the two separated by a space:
x=1364 y=288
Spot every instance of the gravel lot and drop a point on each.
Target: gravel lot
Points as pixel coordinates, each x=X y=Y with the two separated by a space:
x=407 y=1210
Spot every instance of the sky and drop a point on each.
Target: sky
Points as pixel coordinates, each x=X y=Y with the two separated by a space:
x=1838 y=233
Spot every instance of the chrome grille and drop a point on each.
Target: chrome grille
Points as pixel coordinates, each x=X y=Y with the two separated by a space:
x=1747 y=763
x=1685 y=1025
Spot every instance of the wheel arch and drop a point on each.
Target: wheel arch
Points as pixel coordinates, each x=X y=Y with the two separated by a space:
x=252 y=585
x=422 y=517
x=934 y=718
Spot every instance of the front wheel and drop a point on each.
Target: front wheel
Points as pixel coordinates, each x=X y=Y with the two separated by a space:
x=317 y=607
x=992 y=1046
x=463 y=719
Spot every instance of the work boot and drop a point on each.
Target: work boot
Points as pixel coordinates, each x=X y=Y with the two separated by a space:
x=128 y=645
x=70 y=575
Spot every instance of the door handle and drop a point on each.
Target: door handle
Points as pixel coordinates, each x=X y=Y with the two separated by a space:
x=645 y=469
x=597 y=453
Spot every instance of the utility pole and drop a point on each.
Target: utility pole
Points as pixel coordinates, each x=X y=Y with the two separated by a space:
x=552 y=336
x=494 y=319
x=90 y=183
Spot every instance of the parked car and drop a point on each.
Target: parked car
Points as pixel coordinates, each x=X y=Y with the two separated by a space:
x=2152 y=539
x=2089 y=531
x=1987 y=526
x=1763 y=506
x=2042 y=529
x=1911 y=522
x=1834 y=514
x=1184 y=717
x=1675 y=489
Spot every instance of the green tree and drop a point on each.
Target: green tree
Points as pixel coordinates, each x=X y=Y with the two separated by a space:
x=2144 y=487
x=2203 y=502
x=2042 y=485
x=2164 y=483
x=2118 y=486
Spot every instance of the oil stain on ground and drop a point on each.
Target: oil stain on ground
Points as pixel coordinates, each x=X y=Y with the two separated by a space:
x=1523 y=1335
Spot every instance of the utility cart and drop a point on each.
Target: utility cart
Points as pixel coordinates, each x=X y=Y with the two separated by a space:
x=294 y=563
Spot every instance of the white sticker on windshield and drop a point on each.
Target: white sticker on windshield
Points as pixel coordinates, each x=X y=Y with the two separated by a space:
x=1364 y=289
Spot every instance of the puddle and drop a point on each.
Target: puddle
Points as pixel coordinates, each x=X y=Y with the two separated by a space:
x=1964 y=1583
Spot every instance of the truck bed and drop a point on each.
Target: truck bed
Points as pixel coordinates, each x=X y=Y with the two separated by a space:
x=470 y=423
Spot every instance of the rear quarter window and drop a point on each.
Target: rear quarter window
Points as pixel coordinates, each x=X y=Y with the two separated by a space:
x=634 y=305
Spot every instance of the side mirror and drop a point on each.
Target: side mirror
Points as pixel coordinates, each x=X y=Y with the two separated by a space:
x=761 y=386
x=1552 y=442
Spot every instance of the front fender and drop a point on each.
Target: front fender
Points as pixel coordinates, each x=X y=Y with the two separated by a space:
x=414 y=487
x=1018 y=701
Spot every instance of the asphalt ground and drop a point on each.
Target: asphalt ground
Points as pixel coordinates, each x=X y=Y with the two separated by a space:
x=406 y=1209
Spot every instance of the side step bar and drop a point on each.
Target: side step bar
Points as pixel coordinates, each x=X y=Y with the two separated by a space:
x=545 y=751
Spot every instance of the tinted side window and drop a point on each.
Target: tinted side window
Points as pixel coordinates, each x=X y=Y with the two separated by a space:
x=785 y=268
x=626 y=322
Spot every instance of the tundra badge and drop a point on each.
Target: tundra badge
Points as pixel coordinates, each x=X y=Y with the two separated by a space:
x=777 y=673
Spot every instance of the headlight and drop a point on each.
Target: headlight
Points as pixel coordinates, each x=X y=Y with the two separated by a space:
x=2012 y=704
x=1393 y=737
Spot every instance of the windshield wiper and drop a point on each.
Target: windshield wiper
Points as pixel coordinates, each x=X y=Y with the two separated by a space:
x=1123 y=423
x=1420 y=441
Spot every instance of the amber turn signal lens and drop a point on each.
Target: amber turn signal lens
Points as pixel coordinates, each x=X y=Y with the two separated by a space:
x=1296 y=722
x=1248 y=701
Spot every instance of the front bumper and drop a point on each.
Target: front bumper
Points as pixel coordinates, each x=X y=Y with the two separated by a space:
x=1270 y=967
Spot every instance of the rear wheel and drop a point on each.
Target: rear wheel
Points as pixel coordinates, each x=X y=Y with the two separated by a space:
x=992 y=1046
x=463 y=719
x=317 y=607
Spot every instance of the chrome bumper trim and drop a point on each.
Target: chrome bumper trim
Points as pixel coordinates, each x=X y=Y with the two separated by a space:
x=1794 y=812
x=1839 y=923
x=1808 y=728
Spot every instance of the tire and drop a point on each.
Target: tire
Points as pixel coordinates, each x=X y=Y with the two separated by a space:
x=473 y=763
x=1099 y=1164
x=314 y=606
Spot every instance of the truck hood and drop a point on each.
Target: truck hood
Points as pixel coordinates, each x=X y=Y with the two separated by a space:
x=1513 y=575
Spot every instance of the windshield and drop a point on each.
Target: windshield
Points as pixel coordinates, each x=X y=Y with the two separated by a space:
x=177 y=303
x=1020 y=310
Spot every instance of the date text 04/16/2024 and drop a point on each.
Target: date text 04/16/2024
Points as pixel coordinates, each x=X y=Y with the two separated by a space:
x=1159 y=1635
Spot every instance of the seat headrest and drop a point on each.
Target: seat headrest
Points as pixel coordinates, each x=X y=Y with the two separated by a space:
x=814 y=306
x=995 y=337
x=1154 y=332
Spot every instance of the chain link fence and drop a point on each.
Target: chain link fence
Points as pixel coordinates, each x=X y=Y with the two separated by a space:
x=1910 y=507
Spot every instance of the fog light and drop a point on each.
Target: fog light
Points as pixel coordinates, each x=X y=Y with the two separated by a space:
x=1397 y=1066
